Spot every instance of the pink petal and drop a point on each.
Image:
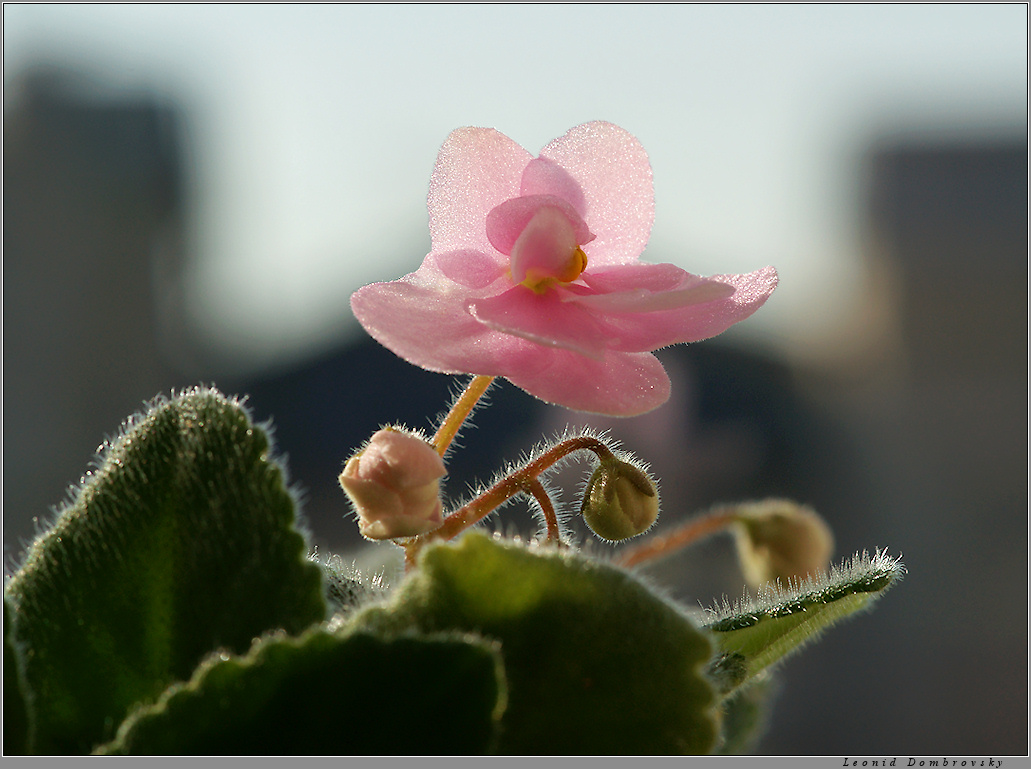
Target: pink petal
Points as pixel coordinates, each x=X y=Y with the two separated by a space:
x=546 y=177
x=639 y=275
x=651 y=329
x=506 y=222
x=618 y=384
x=471 y=269
x=637 y=288
x=422 y=318
x=641 y=301
x=476 y=170
x=612 y=169
x=542 y=318
x=546 y=249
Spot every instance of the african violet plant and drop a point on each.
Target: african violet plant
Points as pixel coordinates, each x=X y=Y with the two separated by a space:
x=175 y=607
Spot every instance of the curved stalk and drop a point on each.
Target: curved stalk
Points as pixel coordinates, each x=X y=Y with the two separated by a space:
x=459 y=412
x=682 y=536
x=522 y=480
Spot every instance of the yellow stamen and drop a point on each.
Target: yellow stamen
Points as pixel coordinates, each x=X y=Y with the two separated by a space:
x=538 y=282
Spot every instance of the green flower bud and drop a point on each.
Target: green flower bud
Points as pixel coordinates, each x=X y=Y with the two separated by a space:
x=780 y=539
x=620 y=501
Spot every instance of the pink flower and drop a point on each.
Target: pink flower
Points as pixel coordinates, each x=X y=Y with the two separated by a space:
x=394 y=485
x=534 y=276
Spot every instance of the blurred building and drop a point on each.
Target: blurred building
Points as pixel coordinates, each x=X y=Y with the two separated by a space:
x=941 y=432
x=92 y=214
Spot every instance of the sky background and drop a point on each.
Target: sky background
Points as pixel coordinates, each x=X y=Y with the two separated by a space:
x=311 y=132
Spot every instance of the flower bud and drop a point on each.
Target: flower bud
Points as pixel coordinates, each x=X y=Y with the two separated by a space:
x=620 y=501
x=394 y=485
x=780 y=539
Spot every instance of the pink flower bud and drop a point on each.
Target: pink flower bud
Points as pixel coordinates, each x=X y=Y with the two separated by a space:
x=394 y=485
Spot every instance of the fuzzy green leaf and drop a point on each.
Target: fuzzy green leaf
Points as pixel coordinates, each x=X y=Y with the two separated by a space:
x=754 y=634
x=182 y=541
x=329 y=693
x=16 y=711
x=596 y=662
x=346 y=588
x=744 y=718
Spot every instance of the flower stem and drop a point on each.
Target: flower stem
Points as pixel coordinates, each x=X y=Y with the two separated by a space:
x=522 y=480
x=547 y=509
x=459 y=412
x=682 y=536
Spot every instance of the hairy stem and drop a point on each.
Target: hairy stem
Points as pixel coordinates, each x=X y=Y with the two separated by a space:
x=459 y=412
x=522 y=480
x=682 y=536
x=547 y=508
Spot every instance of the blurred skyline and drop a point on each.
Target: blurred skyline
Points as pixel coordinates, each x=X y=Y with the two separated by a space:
x=310 y=132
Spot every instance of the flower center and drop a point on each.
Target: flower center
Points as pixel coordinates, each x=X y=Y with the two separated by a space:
x=546 y=251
